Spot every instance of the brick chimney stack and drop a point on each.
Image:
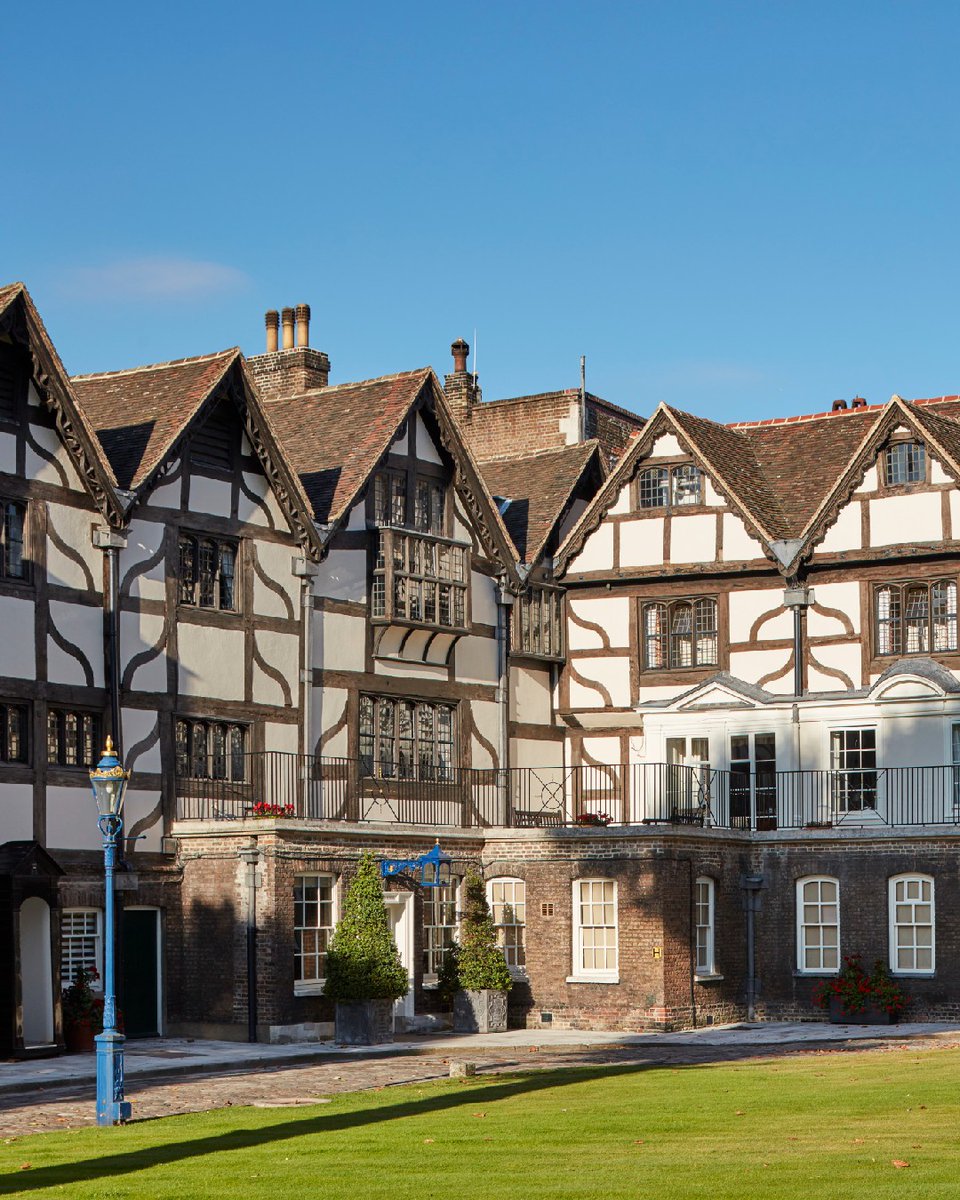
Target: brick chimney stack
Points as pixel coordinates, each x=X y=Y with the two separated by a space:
x=460 y=386
x=294 y=367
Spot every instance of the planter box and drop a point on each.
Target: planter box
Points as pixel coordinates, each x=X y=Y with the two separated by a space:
x=868 y=1015
x=480 y=1012
x=78 y=1037
x=364 y=1023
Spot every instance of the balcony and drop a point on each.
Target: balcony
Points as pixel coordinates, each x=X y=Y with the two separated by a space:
x=653 y=794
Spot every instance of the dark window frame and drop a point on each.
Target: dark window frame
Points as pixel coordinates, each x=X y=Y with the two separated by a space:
x=538 y=623
x=420 y=579
x=896 y=617
x=14 y=733
x=209 y=743
x=15 y=372
x=664 y=494
x=400 y=738
x=662 y=646
x=73 y=736
x=14 y=540
x=200 y=585
x=897 y=460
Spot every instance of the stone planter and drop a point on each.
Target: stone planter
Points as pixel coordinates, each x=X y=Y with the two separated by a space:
x=364 y=1022
x=868 y=1015
x=480 y=1012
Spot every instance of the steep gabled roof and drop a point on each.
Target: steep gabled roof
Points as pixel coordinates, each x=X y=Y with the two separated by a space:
x=20 y=319
x=336 y=437
x=140 y=413
x=539 y=488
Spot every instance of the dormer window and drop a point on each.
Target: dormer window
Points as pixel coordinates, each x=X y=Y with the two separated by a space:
x=392 y=506
x=670 y=487
x=905 y=462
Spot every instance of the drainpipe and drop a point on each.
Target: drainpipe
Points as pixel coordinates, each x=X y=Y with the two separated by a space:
x=250 y=855
x=751 y=886
x=306 y=572
x=504 y=608
x=693 y=944
x=799 y=598
x=111 y=543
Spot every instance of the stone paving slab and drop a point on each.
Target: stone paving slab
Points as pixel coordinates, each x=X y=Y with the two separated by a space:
x=199 y=1076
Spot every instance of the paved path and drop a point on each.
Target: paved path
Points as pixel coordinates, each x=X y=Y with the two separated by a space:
x=177 y=1076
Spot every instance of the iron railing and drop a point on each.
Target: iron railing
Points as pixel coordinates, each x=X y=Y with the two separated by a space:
x=327 y=789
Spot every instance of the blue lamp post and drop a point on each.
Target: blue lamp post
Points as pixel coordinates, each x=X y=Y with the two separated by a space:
x=109 y=782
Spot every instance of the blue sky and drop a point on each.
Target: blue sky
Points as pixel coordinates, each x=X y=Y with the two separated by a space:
x=744 y=209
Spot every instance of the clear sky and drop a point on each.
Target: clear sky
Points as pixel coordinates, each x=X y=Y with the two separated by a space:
x=744 y=209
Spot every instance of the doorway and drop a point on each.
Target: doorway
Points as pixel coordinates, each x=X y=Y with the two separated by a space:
x=36 y=972
x=140 y=987
x=400 y=911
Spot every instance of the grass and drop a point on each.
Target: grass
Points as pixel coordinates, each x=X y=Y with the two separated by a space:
x=820 y=1126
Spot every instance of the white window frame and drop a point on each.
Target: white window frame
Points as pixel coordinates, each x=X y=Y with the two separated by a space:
x=431 y=978
x=517 y=969
x=67 y=976
x=708 y=969
x=313 y=987
x=820 y=924
x=895 y=925
x=580 y=973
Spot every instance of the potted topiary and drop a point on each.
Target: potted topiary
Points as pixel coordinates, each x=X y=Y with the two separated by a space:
x=82 y=1012
x=364 y=973
x=480 y=1006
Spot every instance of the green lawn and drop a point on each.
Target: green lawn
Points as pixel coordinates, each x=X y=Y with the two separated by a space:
x=821 y=1127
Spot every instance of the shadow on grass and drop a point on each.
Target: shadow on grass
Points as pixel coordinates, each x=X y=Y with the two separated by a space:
x=110 y=1166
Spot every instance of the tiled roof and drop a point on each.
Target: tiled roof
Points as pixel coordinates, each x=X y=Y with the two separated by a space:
x=538 y=487
x=9 y=293
x=334 y=436
x=139 y=413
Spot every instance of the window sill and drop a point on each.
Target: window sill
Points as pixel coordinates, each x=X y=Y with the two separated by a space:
x=600 y=977
x=708 y=977
x=309 y=987
x=798 y=974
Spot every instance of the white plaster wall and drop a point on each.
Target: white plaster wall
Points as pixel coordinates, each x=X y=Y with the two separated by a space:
x=650 y=692
x=569 y=425
x=845 y=657
x=138 y=806
x=665 y=444
x=612 y=673
x=73 y=526
x=210 y=495
x=343 y=575
x=845 y=597
x=737 y=543
x=8 y=453
x=339 y=641
x=603 y=749
x=16 y=814
x=279 y=737
x=486 y=722
x=530 y=695
x=426 y=450
x=166 y=495
x=711 y=496
x=138 y=725
x=210 y=666
x=139 y=632
x=845 y=534
x=747 y=606
x=39 y=468
x=937 y=473
x=17 y=656
x=871 y=480
x=693 y=539
x=83 y=627
x=574 y=513
x=536 y=754
x=476 y=660
x=249 y=510
x=409 y=670
x=622 y=503
x=641 y=542
x=483 y=599
x=143 y=541
x=461 y=521
x=357 y=518
x=752 y=665
x=282 y=652
x=611 y=614
x=955 y=513
x=328 y=705
x=597 y=552
x=275 y=562
x=897 y=519
x=71 y=819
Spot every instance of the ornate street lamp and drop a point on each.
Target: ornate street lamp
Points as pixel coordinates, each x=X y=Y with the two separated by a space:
x=109 y=782
x=432 y=868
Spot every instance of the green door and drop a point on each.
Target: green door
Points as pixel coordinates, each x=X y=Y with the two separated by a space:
x=139 y=997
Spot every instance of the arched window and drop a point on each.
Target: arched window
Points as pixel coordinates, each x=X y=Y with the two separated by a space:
x=818 y=925
x=679 y=634
x=912 y=928
x=916 y=618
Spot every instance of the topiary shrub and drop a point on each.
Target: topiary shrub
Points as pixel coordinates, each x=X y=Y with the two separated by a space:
x=480 y=960
x=363 y=962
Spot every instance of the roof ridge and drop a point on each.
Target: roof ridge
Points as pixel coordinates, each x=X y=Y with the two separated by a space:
x=173 y=362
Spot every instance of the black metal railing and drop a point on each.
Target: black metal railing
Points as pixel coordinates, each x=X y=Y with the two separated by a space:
x=276 y=784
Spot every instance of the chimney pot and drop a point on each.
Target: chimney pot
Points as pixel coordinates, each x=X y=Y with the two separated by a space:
x=460 y=351
x=839 y=405
x=272 y=318
x=303 y=324
x=858 y=402
x=287 y=317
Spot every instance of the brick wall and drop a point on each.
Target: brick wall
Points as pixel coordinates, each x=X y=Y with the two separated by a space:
x=289 y=372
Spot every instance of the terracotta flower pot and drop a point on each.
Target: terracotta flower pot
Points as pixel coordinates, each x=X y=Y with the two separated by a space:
x=78 y=1036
